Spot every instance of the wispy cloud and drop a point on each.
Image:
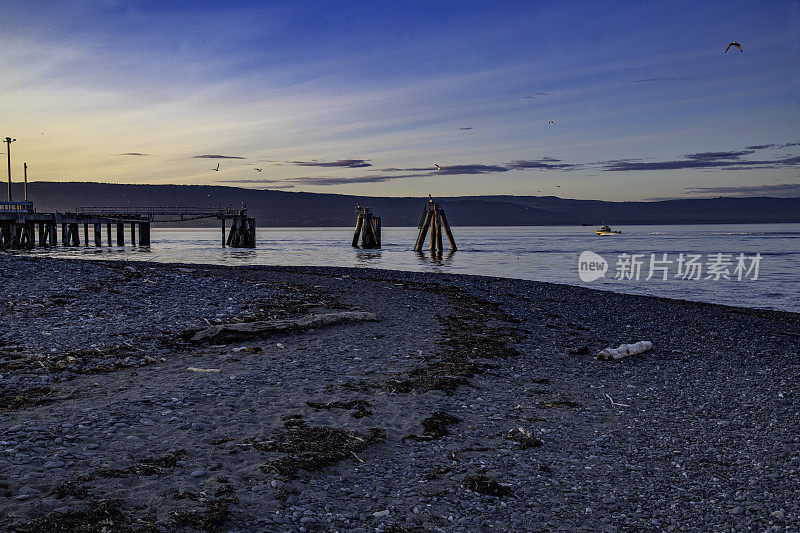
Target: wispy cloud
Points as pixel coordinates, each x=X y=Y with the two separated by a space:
x=133 y=153
x=700 y=163
x=391 y=174
x=342 y=163
x=784 y=189
x=452 y=170
x=215 y=156
x=762 y=146
x=535 y=95
x=713 y=156
x=545 y=163
x=328 y=181
x=663 y=78
x=776 y=146
x=267 y=183
x=461 y=170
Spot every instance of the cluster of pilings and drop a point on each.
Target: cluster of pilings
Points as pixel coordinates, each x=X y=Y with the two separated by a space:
x=369 y=227
x=242 y=233
x=433 y=217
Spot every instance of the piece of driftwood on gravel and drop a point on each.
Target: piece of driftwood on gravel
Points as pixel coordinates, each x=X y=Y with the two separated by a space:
x=245 y=330
x=624 y=350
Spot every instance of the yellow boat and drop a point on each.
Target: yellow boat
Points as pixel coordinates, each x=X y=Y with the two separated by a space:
x=606 y=230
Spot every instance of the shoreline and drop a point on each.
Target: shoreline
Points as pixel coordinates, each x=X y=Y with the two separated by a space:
x=321 y=269
x=411 y=421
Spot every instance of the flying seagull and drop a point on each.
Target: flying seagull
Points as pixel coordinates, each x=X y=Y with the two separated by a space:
x=258 y=170
x=216 y=169
x=734 y=43
x=437 y=166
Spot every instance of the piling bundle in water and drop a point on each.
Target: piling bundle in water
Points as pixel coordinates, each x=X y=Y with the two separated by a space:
x=368 y=226
x=243 y=231
x=433 y=217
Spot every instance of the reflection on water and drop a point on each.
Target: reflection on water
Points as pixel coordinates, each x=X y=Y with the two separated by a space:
x=441 y=260
x=367 y=256
x=537 y=253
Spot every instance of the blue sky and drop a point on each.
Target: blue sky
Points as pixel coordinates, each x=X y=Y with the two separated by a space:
x=614 y=101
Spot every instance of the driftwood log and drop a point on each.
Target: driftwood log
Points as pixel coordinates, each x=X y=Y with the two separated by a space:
x=246 y=330
x=624 y=350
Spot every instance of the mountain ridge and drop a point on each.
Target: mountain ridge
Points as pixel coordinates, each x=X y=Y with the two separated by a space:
x=287 y=208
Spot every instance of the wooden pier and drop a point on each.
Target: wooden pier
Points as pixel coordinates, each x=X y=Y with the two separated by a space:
x=369 y=227
x=22 y=227
x=433 y=217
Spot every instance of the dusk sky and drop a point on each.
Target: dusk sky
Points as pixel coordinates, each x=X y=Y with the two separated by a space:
x=606 y=100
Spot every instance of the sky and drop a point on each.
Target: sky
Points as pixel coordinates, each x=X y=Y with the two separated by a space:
x=599 y=100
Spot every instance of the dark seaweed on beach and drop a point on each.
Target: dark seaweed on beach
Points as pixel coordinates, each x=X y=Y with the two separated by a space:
x=483 y=484
x=525 y=439
x=359 y=406
x=71 y=489
x=215 y=514
x=149 y=466
x=101 y=516
x=475 y=332
x=435 y=426
x=312 y=448
x=168 y=460
x=11 y=398
x=186 y=495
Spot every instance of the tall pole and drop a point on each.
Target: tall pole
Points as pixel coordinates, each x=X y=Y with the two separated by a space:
x=8 y=141
x=26 y=181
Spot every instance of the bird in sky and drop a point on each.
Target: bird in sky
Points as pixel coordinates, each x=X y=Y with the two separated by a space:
x=437 y=166
x=734 y=43
x=258 y=170
x=216 y=169
x=551 y=122
x=558 y=186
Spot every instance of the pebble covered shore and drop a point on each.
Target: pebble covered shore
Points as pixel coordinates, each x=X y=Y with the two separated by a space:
x=472 y=403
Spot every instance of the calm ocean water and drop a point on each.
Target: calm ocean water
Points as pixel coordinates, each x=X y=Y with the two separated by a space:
x=534 y=253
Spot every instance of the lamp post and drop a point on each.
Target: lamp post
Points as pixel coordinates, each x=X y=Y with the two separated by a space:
x=8 y=141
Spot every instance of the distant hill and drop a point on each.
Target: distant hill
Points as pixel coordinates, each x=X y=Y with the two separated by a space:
x=281 y=208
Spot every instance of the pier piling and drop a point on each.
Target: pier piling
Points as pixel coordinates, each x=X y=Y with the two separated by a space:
x=368 y=226
x=144 y=234
x=433 y=217
x=243 y=230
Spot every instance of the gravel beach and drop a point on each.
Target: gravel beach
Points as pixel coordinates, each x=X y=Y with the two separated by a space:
x=465 y=403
